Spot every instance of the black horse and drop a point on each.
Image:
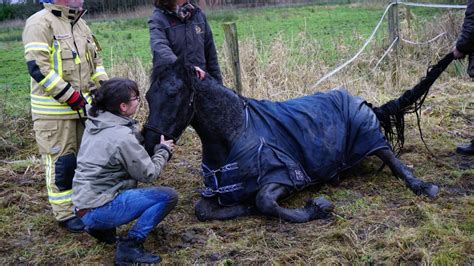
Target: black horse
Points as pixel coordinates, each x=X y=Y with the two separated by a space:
x=255 y=153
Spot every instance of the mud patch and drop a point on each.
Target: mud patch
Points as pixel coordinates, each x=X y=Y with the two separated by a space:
x=464 y=187
x=193 y=236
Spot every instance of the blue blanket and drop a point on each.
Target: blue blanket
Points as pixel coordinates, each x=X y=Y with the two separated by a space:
x=297 y=143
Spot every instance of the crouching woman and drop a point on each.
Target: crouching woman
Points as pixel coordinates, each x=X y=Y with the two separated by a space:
x=110 y=163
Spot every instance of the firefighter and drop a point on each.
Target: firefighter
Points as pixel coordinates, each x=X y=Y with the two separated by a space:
x=63 y=61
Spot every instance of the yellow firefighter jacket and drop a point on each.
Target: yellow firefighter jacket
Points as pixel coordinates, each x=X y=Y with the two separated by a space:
x=62 y=56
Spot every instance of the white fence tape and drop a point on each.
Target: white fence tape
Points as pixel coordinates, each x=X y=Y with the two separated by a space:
x=358 y=53
x=385 y=54
x=337 y=69
x=433 y=5
x=426 y=42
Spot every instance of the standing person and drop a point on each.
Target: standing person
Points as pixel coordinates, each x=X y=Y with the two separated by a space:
x=110 y=162
x=464 y=46
x=179 y=28
x=62 y=58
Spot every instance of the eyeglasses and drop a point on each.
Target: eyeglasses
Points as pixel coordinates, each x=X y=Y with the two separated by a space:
x=134 y=98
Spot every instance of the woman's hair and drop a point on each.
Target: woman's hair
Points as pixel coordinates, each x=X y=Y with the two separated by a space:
x=111 y=94
x=169 y=5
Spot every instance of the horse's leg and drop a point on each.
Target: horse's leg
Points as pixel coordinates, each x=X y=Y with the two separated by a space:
x=267 y=203
x=401 y=171
x=209 y=209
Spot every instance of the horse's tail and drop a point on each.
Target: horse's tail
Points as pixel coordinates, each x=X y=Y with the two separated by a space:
x=391 y=113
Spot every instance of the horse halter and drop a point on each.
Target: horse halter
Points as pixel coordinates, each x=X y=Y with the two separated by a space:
x=170 y=136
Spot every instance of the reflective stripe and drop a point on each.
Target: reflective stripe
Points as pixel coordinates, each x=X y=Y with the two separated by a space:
x=56 y=58
x=94 y=77
x=48 y=101
x=47 y=105
x=99 y=70
x=53 y=110
x=88 y=98
x=37 y=46
x=48 y=165
x=50 y=80
x=60 y=197
x=55 y=197
x=45 y=100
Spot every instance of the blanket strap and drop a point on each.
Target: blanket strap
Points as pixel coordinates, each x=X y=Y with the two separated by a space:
x=208 y=172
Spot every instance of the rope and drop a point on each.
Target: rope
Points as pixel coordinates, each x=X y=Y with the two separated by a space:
x=426 y=42
x=433 y=5
x=358 y=53
x=385 y=54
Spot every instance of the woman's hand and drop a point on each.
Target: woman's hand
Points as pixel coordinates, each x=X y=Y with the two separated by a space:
x=200 y=73
x=457 y=54
x=168 y=143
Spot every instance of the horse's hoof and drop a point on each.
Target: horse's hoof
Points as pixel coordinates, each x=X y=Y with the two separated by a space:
x=320 y=208
x=430 y=190
x=324 y=204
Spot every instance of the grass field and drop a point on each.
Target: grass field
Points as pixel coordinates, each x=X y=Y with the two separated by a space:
x=283 y=51
x=125 y=38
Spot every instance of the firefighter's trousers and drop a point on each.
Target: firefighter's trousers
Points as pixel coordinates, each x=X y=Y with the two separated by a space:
x=58 y=142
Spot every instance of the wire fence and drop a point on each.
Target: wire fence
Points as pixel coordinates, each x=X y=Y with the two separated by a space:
x=394 y=41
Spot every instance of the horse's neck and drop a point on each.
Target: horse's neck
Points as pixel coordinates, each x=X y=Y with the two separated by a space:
x=219 y=121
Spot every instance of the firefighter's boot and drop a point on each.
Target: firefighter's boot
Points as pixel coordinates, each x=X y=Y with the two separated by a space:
x=74 y=225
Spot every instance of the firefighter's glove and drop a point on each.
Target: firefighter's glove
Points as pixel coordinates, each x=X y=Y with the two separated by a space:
x=76 y=101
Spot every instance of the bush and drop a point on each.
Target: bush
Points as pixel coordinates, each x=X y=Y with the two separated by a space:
x=17 y=11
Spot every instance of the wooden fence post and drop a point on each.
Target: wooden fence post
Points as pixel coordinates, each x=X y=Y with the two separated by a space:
x=393 y=31
x=408 y=17
x=232 y=46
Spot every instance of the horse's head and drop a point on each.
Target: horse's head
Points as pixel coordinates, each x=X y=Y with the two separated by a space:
x=170 y=100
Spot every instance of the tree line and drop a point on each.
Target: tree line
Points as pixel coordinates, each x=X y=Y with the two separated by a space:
x=21 y=9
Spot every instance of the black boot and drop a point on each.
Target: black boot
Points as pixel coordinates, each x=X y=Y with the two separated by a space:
x=467 y=149
x=107 y=236
x=73 y=225
x=130 y=250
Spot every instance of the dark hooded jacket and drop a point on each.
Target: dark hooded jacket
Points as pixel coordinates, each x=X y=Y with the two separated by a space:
x=465 y=42
x=190 y=39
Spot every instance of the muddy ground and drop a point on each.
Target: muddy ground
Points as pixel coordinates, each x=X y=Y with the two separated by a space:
x=376 y=220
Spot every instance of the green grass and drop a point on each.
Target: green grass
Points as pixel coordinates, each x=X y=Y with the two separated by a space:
x=333 y=27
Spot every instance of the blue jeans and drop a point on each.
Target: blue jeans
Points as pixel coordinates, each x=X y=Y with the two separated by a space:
x=148 y=205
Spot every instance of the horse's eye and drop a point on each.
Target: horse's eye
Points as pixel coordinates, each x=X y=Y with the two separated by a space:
x=171 y=88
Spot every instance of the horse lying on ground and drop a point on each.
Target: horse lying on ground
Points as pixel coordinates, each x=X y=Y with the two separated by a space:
x=255 y=153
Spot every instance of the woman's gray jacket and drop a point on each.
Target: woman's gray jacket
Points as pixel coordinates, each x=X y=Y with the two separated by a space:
x=112 y=159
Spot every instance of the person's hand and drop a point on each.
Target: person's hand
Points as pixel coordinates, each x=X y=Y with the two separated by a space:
x=200 y=73
x=168 y=143
x=76 y=101
x=457 y=54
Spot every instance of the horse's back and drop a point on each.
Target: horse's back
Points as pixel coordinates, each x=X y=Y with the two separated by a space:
x=324 y=132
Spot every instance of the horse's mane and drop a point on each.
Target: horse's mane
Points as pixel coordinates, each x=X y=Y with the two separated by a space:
x=160 y=71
